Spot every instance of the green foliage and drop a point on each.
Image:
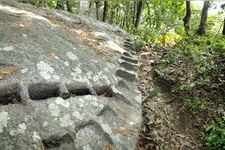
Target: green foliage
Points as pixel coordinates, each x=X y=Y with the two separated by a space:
x=187 y=86
x=160 y=18
x=193 y=103
x=201 y=59
x=141 y=67
x=162 y=21
x=214 y=135
x=219 y=45
x=52 y=4
x=154 y=92
x=139 y=42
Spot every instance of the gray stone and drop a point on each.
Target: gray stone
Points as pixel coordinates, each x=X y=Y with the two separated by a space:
x=129 y=66
x=63 y=84
x=129 y=59
x=125 y=74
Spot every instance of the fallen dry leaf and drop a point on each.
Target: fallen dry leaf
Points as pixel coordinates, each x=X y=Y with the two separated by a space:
x=125 y=132
x=6 y=71
x=108 y=147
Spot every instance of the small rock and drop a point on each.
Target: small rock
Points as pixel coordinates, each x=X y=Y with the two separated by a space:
x=145 y=55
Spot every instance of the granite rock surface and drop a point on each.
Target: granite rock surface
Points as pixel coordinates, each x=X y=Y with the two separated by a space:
x=66 y=82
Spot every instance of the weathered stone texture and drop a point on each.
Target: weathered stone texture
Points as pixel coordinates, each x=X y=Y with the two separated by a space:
x=66 y=82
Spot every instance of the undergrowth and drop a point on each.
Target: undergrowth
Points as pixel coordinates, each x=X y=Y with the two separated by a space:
x=194 y=70
x=196 y=66
x=214 y=135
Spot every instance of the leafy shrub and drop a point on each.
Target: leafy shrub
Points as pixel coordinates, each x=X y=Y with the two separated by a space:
x=198 y=69
x=193 y=103
x=52 y=4
x=219 y=46
x=214 y=135
x=154 y=92
x=139 y=42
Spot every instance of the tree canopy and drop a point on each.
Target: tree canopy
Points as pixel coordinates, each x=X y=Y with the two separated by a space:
x=155 y=21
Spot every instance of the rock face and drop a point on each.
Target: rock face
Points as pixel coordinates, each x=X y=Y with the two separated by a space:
x=66 y=82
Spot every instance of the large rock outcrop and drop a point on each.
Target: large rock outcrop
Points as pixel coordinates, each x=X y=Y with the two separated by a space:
x=66 y=82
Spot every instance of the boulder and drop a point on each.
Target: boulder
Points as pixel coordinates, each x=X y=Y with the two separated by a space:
x=66 y=82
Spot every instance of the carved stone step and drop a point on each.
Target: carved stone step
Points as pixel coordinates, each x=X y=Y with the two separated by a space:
x=135 y=61
x=129 y=66
x=127 y=75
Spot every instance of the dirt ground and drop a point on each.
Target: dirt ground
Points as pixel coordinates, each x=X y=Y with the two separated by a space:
x=167 y=124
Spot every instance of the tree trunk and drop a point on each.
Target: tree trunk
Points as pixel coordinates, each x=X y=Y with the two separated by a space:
x=90 y=5
x=83 y=7
x=201 y=29
x=117 y=15
x=105 y=11
x=60 y=5
x=128 y=11
x=111 y=18
x=97 y=3
x=138 y=15
x=135 y=11
x=223 y=27
x=187 y=18
x=68 y=6
x=40 y=4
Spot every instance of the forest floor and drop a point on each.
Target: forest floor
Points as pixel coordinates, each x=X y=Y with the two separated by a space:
x=168 y=124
